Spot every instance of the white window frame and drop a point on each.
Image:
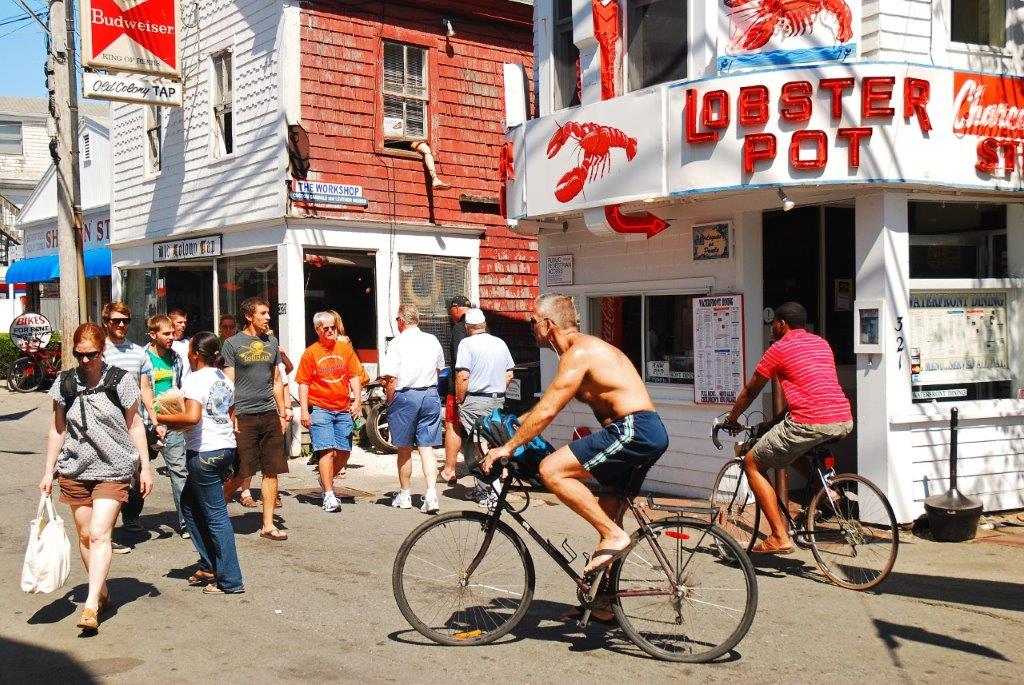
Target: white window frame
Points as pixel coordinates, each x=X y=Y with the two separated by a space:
x=1008 y=6
x=425 y=98
x=960 y=55
x=21 y=138
x=217 y=142
x=155 y=120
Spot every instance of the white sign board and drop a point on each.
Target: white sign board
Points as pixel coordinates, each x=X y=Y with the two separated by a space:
x=42 y=241
x=718 y=366
x=30 y=331
x=958 y=337
x=132 y=88
x=132 y=35
x=315 y=193
x=558 y=270
x=187 y=248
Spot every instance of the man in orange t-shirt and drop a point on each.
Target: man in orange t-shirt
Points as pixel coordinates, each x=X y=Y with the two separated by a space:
x=329 y=375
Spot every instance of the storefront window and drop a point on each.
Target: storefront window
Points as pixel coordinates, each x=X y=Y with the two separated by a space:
x=660 y=343
x=429 y=282
x=141 y=292
x=253 y=275
x=618 y=321
x=957 y=240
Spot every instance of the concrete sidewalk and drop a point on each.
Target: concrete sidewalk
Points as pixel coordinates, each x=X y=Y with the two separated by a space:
x=320 y=606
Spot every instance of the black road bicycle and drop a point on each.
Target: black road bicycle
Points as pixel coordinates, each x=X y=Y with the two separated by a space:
x=685 y=591
x=847 y=522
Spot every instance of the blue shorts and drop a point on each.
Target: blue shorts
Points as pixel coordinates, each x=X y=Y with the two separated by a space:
x=414 y=417
x=623 y=448
x=330 y=430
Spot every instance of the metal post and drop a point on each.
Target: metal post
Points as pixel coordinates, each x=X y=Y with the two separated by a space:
x=954 y=420
x=64 y=148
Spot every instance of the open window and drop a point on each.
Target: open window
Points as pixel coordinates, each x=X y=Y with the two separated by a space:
x=978 y=22
x=566 y=58
x=222 y=90
x=154 y=138
x=406 y=95
x=656 y=43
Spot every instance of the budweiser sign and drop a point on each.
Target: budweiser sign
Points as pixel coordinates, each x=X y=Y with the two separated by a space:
x=988 y=106
x=132 y=35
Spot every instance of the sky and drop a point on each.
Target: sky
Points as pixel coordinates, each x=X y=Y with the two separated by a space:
x=22 y=51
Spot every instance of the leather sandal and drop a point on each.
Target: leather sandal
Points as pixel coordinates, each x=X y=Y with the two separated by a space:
x=201 y=577
x=247 y=501
x=762 y=548
x=89 y=620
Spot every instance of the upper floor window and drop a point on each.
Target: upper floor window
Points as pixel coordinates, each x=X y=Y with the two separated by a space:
x=154 y=138
x=223 y=104
x=978 y=22
x=566 y=58
x=655 y=42
x=10 y=138
x=405 y=93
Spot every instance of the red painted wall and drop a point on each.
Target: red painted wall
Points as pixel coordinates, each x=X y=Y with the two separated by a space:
x=342 y=114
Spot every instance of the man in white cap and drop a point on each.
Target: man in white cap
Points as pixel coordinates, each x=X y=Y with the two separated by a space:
x=483 y=370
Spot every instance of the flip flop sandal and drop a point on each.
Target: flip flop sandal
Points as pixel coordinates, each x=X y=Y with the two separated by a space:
x=277 y=502
x=201 y=577
x=247 y=501
x=275 y=535
x=760 y=548
x=212 y=589
x=613 y=556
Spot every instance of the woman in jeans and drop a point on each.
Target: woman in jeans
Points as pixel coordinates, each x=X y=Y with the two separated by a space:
x=209 y=454
x=96 y=442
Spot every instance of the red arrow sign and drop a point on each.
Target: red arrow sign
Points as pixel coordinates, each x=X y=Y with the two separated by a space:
x=636 y=223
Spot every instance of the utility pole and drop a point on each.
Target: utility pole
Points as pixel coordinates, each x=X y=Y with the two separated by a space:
x=64 y=149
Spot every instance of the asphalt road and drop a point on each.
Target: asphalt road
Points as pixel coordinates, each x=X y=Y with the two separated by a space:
x=319 y=607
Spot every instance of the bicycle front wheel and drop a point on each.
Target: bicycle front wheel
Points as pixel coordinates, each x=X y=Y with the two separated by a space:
x=26 y=375
x=440 y=601
x=853 y=532
x=738 y=513
x=679 y=597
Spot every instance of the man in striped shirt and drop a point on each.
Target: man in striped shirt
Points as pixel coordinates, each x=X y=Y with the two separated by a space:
x=818 y=411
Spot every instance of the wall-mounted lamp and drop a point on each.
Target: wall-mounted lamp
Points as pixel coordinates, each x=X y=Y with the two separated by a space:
x=787 y=204
x=446 y=26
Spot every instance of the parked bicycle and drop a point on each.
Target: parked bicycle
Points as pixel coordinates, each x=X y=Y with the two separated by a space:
x=375 y=413
x=36 y=365
x=685 y=591
x=845 y=519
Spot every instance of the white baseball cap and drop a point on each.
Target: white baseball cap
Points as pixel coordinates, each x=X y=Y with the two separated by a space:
x=474 y=316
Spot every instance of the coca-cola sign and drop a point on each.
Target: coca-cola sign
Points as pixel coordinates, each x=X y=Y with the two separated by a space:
x=132 y=35
x=988 y=106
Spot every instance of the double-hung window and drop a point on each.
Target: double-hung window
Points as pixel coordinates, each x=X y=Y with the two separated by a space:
x=222 y=88
x=978 y=22
x=154 y=138
x=10 y=138
x=654 y=331
x=566 y=58
x=405 y=92
x=655 y=42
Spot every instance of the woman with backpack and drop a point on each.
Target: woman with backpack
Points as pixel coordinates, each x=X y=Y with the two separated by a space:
x=210 y=453
x=96 y=442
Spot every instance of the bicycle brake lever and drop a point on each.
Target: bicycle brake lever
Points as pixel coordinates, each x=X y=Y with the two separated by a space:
x=716 y=425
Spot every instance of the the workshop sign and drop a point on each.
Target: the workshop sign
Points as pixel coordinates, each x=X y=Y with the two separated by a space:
x=132 y=35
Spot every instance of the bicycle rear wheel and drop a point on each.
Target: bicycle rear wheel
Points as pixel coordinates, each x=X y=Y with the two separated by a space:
x=679 y=597
x=738 y=513
x=26 y=375
x=853 y=532
x=433 y=595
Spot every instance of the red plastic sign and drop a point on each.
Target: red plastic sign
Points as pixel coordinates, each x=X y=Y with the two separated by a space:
x=129 y=35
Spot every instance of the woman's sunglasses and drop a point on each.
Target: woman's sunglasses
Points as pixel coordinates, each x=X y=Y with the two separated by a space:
x=85 y=356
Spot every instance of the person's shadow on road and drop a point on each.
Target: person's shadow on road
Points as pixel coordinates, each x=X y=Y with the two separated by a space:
x=122 y=591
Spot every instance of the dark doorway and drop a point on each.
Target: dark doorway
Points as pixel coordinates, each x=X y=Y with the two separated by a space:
x=345 y=282
x=191 y=290
x=792 y=247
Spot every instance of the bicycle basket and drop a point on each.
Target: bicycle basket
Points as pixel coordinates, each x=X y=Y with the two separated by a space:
x=496 y=429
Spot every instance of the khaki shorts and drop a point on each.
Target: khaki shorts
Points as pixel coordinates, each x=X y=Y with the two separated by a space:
x=83 y=492
x=787 y=440
x=260 y=445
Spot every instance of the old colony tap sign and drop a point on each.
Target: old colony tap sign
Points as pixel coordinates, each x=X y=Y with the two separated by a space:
x=132 y=35
x=849 y=123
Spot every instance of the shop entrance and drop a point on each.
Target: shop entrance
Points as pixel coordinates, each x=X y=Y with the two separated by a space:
x=808 y=257
x=345 y=282
x=189 y=288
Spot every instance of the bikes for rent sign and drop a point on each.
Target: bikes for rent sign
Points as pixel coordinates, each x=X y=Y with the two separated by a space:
x=30 y=330
x=132 y=35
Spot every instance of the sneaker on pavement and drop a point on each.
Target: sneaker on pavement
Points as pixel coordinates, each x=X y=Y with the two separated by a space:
x=331 y=503
x=430 y=505
x=475 y=493
x=118 y=548
x=402 y=500
x=488 y=502
x=134 y=526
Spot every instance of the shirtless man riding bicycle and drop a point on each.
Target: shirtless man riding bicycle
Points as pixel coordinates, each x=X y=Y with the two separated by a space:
x=633 y=436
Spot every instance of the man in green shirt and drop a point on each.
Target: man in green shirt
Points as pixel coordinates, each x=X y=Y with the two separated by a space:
x=165 y=374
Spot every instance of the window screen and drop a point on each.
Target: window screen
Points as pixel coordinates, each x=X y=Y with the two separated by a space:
x=656 y=42
x=567 y=57
x=428 y=282
x=405 y=91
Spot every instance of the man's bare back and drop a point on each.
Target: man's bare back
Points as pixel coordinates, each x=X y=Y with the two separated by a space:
x=610 y=385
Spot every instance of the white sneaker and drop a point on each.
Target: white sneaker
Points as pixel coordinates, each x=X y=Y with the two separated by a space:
x=402 y=500
x=488 y=502
x=476 y=493
x=430 y=505
x=331 y=503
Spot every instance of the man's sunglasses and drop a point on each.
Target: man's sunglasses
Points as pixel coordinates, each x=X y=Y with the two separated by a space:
x=85 y=356
x=124 y=321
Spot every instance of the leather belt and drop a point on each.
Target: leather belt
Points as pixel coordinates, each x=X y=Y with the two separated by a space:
x=425 y=387
x=493 y=395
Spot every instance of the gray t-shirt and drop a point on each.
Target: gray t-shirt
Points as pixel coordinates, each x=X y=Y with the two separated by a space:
x=102 y=449
x=254 y=360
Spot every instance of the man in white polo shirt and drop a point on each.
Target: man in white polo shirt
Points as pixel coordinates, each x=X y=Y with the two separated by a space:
x=410 y=368
x=483 y=370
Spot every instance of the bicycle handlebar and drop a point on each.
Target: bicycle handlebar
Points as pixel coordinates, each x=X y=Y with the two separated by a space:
x=720 y=423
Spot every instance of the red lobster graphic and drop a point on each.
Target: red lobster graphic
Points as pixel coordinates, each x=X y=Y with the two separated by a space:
x=760 y=18
x=595 y=142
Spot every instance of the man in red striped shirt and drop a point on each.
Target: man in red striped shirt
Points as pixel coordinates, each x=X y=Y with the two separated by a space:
x=818 y=411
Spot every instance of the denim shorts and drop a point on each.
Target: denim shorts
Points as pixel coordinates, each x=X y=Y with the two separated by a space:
x=414 y=417
x=330 y=430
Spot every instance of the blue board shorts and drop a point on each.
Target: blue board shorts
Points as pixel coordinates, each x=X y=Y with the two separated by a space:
x=624 y=447
x=330 y=430
x=414 y=417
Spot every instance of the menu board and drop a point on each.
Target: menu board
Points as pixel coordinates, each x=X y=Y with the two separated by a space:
x=958 y=337
x=717 y=348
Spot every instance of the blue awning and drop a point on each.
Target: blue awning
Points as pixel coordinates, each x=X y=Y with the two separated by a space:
x=34 y=270
x=37 y=269
x=97 y=262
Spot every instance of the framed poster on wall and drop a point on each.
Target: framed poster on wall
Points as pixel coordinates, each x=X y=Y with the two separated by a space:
x=958 y=337
x=718 y=349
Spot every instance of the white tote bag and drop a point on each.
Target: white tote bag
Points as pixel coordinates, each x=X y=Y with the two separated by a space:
x=48 y=557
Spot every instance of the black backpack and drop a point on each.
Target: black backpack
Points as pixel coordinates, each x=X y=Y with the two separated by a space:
x=69 y=387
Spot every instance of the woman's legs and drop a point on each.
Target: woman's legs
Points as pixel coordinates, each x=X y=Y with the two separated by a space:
x=101 y=523
x=207 y=480
x=195 y=519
